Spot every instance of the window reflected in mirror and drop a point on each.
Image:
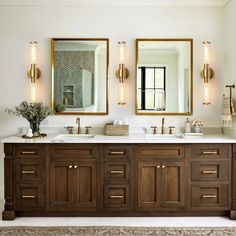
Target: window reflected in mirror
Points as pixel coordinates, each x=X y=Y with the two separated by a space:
x=164 y=76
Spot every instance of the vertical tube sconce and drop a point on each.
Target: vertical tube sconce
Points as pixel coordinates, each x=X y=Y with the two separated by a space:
x=34 y=72
x=206 y=73
x=122 y=73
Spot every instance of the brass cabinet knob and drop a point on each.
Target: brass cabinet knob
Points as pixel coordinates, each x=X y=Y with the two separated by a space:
x=70 y=166
x=158 y=167
x=75 y=167
x=163 y=167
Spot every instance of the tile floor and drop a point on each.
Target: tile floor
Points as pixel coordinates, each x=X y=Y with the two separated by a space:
x=120 y=221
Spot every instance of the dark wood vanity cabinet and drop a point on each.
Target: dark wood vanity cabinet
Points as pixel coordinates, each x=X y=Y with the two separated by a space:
x=119 y=180
x=161 y=177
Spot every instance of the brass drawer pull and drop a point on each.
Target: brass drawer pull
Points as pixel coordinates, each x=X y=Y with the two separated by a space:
x=28 y=172
x=116 y=196
x=209 y=196
x=209 y=152
x=28 y=152
x=117 y=153
x=209 y=172
x=28 y=196
x=116 y=172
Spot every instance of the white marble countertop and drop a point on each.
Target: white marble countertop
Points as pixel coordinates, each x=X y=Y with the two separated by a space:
x=132 y=138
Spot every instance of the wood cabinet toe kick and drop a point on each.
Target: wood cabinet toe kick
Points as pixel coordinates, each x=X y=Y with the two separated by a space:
x=119 y=180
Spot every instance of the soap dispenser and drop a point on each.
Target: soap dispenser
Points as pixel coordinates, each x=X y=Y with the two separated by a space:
x=187 y=126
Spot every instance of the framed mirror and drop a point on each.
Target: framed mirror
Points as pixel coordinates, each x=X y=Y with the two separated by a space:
x=164 y=76
x=80 y=76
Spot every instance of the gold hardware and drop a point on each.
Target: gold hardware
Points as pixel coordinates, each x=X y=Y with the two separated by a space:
x=209 y=172
x=75 y=167
x=28 y=172
x=116 y=196
x=70 y=129
x=116 y=171
x=158 y=167
x=78 y=123
x=117 y=153
x=209 y=196
x=28 y=152
x=88 y=129
x=162 y=125
x=70 y=166
x=171 y=129
x=209 y=152
x=154 y=129
x=28 y=196
x=163 y=167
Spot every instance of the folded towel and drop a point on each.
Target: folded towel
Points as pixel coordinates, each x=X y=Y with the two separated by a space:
x=228 y=112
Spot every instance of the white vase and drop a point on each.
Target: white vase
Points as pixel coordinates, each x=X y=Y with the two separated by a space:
x=197 y=129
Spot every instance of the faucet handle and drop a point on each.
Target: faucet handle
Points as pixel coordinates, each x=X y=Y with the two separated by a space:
x=154 y=129
x=70 y=129
x=88 y=129
x=171 y=129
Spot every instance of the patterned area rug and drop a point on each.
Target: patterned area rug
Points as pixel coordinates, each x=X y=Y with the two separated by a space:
x=129 y=231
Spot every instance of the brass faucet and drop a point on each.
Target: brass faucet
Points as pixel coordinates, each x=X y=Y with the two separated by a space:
x=162 y=125
x=78 y=123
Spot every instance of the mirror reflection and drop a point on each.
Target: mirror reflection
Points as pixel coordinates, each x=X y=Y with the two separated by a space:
x=80 y=74
x=164 y=76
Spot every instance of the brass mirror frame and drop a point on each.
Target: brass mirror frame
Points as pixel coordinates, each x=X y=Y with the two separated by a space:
x=190 y=40
x=53 y=40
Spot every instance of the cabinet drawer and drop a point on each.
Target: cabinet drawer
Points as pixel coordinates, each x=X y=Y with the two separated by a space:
x=29 y=195
x=29 y=170
x=161 y=151
x=210 y=171
x=210 y=151
x=73 y=151
x=116 y=171
x=117 y=197
x=29 y=151
x=211 y=196
x=117 y=151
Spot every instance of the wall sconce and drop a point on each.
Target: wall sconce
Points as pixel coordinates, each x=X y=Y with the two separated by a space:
x=34 y=72
x=207 y=73
x=122 y=73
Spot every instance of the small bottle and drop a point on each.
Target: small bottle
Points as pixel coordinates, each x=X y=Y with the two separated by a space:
x=187 y=126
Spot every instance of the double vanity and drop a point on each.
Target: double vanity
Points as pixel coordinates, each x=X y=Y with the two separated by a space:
x=136 y=175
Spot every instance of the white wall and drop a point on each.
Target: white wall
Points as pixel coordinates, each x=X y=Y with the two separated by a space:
x=230 y=48
x=20 y=25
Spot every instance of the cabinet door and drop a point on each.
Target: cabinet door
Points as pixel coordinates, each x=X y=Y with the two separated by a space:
x=173 y=186
x=149 y=185
x=84 y=196
x=61 y=185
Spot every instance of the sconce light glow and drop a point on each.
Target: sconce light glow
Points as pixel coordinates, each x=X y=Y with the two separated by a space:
x=122 y=94
x=33 y=92
x=206 y=93
x=33 y=52
x=122 y=50
x=122 y=73
x=206 y=73
x=34 y=72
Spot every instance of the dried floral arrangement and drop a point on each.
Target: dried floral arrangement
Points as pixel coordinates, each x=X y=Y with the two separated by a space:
x=34 y=112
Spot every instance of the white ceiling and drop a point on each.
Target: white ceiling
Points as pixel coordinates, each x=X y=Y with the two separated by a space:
x=116 y=2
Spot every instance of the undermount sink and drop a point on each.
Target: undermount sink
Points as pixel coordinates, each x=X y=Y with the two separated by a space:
x=73 y=137
x=163 y=136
